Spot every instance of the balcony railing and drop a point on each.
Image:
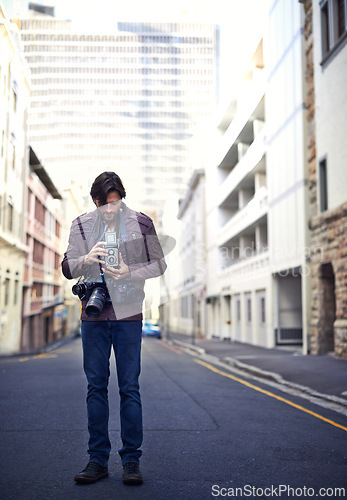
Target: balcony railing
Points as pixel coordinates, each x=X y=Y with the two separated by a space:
x=245 y=109
x=253 y=156
x=254 y=210
x=45 y=301
x=251 y=265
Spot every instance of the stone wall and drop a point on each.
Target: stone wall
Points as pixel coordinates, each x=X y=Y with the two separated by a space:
x=328 y=325
x=329 y=245
x=310 y=107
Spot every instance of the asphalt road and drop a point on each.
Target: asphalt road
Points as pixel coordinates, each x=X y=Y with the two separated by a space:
x=207 y=434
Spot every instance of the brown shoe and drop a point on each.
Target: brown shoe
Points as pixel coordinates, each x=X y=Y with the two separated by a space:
x=132 y=474
x=93 y=472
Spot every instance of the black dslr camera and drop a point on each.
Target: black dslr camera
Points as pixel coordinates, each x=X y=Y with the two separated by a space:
x=98 y=295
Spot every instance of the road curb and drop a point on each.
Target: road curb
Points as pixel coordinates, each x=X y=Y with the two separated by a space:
x=276 y=377
x=189 y=347
x=41 y=350
x=60 y=342
x=262 y=374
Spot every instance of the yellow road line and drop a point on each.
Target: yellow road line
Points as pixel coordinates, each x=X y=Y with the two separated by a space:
x=43 y=355
x=268 y=393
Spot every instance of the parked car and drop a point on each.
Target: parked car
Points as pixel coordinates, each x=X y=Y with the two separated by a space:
x=151 y=329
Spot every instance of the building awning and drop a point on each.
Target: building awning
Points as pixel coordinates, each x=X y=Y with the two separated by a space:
x=37 y=167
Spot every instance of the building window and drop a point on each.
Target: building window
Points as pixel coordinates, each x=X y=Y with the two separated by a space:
x=333 y=27
x=14 y=101
x=16 y=287
x=57 y=229
x=323 y=186
x=340 y=16
x=10 y=217
x=238 y=310
x=40 y=211
x=325 y=28
x=249 y=310
x=262 y=310
x=7 y=291
x=36 y=290
x=38 y=252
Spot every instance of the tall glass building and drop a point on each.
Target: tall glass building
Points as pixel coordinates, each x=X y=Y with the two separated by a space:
x=129 y=101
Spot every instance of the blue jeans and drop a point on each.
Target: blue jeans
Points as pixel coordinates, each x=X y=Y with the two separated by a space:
x=98 y=337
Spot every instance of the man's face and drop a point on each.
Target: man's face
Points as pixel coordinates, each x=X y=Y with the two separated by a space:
x=110 y=209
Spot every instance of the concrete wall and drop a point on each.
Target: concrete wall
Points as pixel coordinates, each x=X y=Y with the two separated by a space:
x=285 y=118
x=330 y=114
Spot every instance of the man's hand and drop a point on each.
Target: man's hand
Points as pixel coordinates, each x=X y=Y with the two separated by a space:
x=96 y=252
x=117 y=272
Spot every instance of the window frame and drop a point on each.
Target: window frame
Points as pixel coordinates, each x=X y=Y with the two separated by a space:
x=249 y=309
x=262 y=310
x=238 y=310
x=323 y=184
x=331 y=41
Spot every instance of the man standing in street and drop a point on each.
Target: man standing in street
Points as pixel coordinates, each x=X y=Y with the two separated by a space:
x=112 y=251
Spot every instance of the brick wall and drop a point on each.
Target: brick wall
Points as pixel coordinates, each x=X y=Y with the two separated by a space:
x=329 y=239
x=328 y=325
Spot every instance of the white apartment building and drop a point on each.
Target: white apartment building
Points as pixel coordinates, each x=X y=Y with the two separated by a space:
x=14 y=103
x=127 y=101
x=238 y=280
x=257 y=229
x=187 y=313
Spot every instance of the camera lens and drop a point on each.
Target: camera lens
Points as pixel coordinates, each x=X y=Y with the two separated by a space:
x=76 y=289
x=79 y=289
x=96 y=302
x=111 y=260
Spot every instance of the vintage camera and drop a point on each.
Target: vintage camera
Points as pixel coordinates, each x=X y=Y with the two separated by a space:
x=112 y=257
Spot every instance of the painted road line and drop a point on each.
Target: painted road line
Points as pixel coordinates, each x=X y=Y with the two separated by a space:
x=45 y=356
x=169 y=347
x=268 y=393
x=21 y=360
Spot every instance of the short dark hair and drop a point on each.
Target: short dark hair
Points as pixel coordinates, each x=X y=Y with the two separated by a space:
x=104 y=184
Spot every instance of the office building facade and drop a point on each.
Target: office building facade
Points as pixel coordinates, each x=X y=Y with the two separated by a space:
x=128 y=101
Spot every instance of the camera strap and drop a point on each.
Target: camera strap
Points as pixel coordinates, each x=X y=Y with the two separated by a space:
x=80 y=227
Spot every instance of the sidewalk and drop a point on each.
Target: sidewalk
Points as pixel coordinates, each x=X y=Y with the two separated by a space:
x=325 y=374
